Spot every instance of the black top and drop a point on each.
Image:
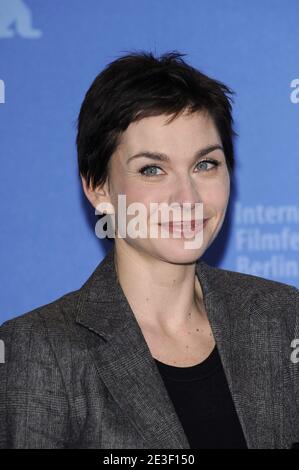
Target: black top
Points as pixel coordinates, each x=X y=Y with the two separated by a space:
x=203 y=403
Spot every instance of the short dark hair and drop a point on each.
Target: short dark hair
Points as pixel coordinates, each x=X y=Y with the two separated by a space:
x=140 y=85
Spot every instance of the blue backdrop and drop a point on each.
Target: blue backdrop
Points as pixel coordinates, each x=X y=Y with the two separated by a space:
x=51 y=50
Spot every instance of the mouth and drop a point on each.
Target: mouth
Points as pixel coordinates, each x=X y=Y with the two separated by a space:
x=188 y=224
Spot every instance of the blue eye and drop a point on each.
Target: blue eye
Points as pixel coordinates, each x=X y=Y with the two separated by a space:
x=143 y=169
x=215 y=163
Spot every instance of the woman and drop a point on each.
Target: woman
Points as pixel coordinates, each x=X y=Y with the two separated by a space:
x=157 y=349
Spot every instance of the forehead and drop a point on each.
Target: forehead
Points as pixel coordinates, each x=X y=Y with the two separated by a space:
x=154 y=133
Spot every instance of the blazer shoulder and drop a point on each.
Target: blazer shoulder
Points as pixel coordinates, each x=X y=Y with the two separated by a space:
x=35 y=372
x=250 y=281
x=54 y=311
x=261 y=295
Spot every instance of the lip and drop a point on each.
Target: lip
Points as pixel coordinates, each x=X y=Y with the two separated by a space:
x=192 y=225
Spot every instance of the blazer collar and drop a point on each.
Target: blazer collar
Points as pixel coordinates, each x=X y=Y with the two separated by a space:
x=113 y=313
x=124 y=361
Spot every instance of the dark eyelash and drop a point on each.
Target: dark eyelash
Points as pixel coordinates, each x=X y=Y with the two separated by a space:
x=148 y=166
x=208 y=160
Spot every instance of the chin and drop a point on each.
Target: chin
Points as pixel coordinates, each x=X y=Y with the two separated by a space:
x=173 y=251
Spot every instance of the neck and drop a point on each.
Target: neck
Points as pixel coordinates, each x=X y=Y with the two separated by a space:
x=162 y=295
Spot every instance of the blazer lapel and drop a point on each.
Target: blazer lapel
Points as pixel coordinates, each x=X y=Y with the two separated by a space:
x=124 y=361
x=126 y=366
x=248 y=338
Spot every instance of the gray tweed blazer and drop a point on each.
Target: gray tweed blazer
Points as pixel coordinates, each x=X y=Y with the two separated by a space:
x=78 y=372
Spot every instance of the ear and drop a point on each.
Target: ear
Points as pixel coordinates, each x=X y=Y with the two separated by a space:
x=97 y=196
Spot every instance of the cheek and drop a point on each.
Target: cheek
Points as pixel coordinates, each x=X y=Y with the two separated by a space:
x=133 y=194
x=216 y=195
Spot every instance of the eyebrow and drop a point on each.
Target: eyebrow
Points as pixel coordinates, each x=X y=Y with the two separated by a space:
x=162 y=157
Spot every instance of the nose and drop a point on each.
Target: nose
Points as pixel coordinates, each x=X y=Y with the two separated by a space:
x=185 y=191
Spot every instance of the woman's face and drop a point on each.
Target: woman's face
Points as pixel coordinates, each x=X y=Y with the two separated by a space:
x=184 y=177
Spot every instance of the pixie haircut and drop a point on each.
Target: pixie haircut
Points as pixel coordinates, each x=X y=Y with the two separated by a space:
x=139 y=85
